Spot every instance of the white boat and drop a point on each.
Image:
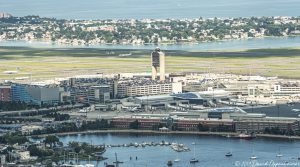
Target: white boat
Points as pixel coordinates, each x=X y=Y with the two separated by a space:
x=177 y=160
x=194 y=160
x=296 y=110
x=253 y=157
x=89 y=165
x=279 y=153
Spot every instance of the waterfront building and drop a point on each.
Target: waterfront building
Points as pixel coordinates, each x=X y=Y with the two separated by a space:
x=154 y=122
x=158 y=61
x=217 y=119
x=260 y=124
x=143 y=123
x=195 y=124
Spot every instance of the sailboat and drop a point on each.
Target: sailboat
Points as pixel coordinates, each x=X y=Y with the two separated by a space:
x=194 y=160
x=279 y=153
x=89 y=164
x=117 y=162
x=253 y=157
x=177 y=158
x=229 y=154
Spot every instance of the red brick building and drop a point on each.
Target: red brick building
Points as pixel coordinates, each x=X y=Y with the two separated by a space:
x=193 y=124
x=174 y=124
x=5 y=93
x=143 y=123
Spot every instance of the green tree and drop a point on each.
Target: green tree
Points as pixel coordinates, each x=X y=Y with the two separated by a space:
x=52 y=140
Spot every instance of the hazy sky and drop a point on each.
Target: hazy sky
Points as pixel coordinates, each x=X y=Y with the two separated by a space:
x=100 y=9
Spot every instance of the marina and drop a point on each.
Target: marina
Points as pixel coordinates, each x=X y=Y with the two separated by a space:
x=160 y=83
x=209 y=150
x=175 y=146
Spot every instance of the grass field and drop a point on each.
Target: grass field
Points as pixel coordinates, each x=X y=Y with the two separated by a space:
x=45 y=63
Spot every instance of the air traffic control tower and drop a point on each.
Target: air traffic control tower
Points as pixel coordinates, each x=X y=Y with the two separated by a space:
x=158 y=61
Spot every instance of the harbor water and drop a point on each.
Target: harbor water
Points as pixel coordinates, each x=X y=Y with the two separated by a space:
x=209 y=150
x=230 y=45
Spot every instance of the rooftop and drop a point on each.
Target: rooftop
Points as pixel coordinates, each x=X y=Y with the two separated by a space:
x=153 y=97
x=189 y=95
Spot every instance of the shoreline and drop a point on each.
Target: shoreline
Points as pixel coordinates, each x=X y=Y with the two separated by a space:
x=44 y=43
x=130 y=131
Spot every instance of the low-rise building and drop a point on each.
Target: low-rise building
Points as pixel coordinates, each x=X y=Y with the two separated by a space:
x=260 y=124
x=286 y=89
x=28 y=129
x=5 y=93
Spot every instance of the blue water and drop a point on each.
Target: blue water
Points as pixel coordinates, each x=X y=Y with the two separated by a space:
x=209 y=150
x=272 y=42
x=139 y=9
x=124 y=9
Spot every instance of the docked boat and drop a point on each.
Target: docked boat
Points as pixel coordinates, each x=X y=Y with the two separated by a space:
x=245 y=136
x=179 y=147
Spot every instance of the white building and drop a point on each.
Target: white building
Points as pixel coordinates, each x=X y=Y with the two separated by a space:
x=154 y=89
x=28 y=129
x=285 y=89
x=24 y=155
